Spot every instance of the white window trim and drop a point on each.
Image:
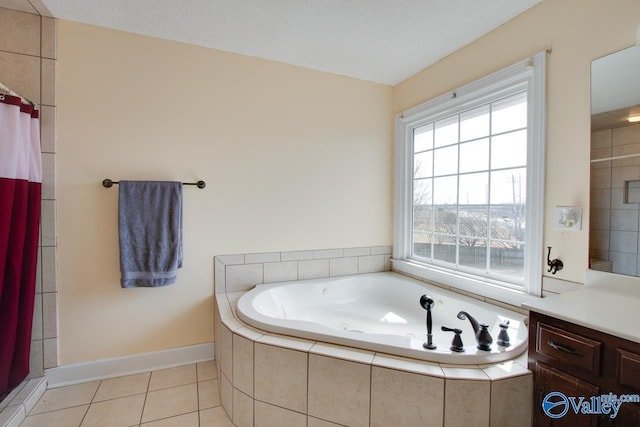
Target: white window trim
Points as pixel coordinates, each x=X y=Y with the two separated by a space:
x=531 y=72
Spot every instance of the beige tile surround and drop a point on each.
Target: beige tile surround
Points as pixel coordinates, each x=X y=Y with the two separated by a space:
x=266 y=377
x=615 y=214
x=28 y=52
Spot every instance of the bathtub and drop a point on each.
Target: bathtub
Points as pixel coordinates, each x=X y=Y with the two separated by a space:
x=380 y=312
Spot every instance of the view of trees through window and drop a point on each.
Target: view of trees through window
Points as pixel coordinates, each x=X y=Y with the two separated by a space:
x=469 y=188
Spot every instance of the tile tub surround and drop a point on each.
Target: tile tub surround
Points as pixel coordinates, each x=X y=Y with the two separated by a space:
x=241 y=272
x=266 y=377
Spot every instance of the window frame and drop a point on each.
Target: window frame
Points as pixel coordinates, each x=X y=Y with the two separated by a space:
x=529 y=75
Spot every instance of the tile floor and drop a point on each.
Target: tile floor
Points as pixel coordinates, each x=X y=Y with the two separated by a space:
x=184 y=396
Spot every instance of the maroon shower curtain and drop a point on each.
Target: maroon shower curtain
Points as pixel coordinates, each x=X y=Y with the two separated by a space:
x=20 y=189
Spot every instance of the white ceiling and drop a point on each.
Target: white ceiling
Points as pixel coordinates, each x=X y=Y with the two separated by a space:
x=384 y=41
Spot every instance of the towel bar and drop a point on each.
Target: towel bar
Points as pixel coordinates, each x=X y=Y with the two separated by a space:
x=107 y=183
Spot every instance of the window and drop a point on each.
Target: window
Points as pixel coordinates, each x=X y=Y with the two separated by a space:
x=469 y=184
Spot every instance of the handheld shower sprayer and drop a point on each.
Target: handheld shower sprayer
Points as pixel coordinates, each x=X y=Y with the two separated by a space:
x=427 y=303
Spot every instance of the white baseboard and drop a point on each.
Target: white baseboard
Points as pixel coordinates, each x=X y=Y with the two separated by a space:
x=128 y=365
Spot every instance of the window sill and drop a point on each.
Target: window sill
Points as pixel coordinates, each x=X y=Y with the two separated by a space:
x=479 y=287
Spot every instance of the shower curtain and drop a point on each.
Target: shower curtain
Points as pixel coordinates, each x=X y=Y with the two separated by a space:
x=20 y=189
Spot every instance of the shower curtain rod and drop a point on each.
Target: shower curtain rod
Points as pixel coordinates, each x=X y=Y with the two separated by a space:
x=107 y=183
x=4 y=90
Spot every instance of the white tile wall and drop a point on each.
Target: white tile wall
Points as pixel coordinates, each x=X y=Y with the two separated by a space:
x=343 y=266
x=244 y=276
x=296 y=255
x=240 y=272
x=313 y=269
x=328 y=253
x=371 y=264
x=280 y=271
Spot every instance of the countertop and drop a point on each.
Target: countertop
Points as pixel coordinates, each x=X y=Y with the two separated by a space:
x=607 y=302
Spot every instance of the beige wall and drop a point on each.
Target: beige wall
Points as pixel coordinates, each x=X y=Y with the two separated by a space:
x=577 y=31
x=293 y=159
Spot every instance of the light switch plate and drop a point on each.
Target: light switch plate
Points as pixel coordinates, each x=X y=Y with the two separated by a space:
x=568 y=218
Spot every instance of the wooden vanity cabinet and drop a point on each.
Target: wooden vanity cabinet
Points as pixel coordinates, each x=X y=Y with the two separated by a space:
x=578 y=361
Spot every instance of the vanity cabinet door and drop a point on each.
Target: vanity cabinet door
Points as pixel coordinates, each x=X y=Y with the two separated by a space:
x=629 y=415
x=549 y=379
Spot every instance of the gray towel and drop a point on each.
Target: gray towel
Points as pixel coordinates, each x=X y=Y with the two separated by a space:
x=150 y=232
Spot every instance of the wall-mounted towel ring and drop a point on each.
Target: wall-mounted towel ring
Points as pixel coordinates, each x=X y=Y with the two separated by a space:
x=554 y=264
x=107 y=183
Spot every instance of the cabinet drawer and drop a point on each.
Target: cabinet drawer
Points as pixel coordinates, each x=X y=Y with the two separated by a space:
x=569 y=348
x=628 y=369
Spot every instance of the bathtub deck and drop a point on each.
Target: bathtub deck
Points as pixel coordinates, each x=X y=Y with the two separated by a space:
x=276 y=380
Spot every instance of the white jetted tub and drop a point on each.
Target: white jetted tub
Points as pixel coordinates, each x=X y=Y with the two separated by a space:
x=381 y=312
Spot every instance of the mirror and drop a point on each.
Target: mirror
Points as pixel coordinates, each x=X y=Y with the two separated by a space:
x=615 y=163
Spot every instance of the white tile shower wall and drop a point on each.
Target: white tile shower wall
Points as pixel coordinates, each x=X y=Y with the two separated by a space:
x=240 y=272
x=614 y=209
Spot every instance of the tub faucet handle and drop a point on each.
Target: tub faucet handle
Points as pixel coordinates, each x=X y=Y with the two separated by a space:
x=456 y=343
x=503 y=336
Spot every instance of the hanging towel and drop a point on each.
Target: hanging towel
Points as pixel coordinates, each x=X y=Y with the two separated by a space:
x=150 y=232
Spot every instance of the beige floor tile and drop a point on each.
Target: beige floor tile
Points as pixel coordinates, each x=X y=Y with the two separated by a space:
x=70 y=417
x=207 y=370
x=170 y=402
x=214 y=417
x=172 y=377
x=122 y=386
x=208 y=394
x=66 y=397
x=125 y=411
x=186 y=420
